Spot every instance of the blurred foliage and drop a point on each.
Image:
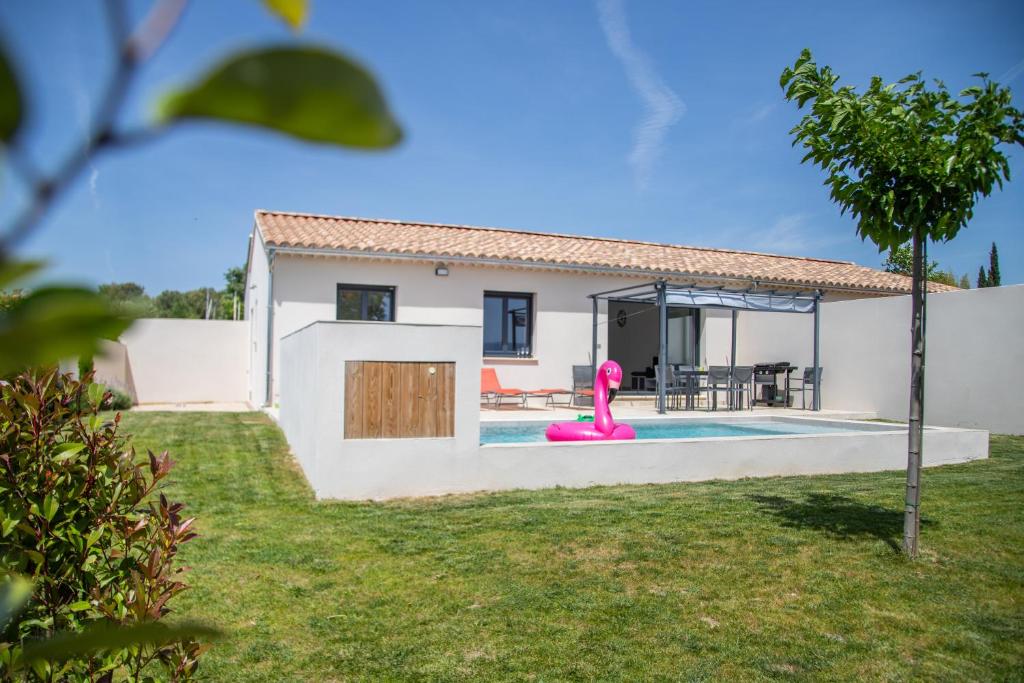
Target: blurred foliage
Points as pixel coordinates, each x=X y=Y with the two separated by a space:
x=45 y=324
x=77 y=512
x=307 y=92
x=292 y=12
x=83 y=516
x=10 y=100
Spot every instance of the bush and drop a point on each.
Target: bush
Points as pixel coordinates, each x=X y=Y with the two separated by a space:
x=86 y=520
x=118 y=400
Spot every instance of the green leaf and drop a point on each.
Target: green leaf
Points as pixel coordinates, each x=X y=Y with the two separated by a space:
x=67 y=450
x=80 y=606
x=104 y=636
x=55 y=322
x=13 y=271
x=96 y=392
x=50 y=507
x=10 y=99
x=292 y=12
x=309 y=93
x=14 y=593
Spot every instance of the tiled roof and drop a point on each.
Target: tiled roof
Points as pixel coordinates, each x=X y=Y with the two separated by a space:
x=460 y=242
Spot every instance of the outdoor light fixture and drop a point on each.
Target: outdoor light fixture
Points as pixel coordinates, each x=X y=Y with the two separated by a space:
x=441 y=270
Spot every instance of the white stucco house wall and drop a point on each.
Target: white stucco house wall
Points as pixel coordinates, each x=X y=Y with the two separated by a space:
x=527 y=290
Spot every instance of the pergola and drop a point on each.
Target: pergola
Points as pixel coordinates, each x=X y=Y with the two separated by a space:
x=665 y=295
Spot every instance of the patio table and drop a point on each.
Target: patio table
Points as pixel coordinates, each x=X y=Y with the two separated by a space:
x=692 y=384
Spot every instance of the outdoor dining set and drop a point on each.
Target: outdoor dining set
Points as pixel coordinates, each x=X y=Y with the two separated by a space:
x=740 y=386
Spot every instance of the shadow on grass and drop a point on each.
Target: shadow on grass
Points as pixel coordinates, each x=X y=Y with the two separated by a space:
x=838 y=516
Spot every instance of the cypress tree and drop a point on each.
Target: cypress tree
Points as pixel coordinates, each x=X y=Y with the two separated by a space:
x=982 y=279
x=994 y=280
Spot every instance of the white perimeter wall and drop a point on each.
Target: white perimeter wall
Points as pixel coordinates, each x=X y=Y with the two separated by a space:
x=974 y=355
x=164 y=360
x=312 y=413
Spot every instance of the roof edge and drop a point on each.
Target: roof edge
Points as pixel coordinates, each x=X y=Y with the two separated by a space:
x=616 y=240
x=547 y=265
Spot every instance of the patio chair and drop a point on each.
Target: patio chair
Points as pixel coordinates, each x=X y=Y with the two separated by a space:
x=718 y=380
x=805 y=384
x=671 y=387
x=742 y=384
x=582 y=386
x=491 y=389
x=687 y=385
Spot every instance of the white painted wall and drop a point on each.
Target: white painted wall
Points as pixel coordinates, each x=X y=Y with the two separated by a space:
x=111 y=367
x=256 y=297
x=312 y=405
x=975 y=357
x=182 y=361
x=305 y=290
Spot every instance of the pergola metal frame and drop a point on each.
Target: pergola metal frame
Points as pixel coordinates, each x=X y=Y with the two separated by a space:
x=665 y=295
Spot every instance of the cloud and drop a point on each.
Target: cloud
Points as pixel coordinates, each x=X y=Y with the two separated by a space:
x=1012 y=73
x=760 y=113
x=792 y=234
x=94 y=178
x=663 y=106
x=83 y=116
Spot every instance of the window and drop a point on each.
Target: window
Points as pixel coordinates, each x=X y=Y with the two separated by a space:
x=363 y=302
x=508 y=324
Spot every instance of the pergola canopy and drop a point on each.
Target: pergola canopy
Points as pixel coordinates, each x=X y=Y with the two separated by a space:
x=665 y=295
x=692 y=296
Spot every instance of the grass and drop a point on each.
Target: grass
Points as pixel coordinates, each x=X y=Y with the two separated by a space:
x=786 y=578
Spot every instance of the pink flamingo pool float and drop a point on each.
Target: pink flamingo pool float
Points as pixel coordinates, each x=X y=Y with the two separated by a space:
x=603 y=428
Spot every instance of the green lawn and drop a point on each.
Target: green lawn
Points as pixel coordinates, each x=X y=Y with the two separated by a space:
x=791 y=578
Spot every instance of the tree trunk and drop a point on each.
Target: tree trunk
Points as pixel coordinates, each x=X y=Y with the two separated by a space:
x=915 y=442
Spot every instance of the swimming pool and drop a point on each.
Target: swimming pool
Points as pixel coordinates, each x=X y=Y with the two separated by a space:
x=533 y=432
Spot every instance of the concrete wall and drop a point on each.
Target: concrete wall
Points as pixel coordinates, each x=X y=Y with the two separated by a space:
x=112 y=368
x=162 y=360
x=312 y=405
x=975 y=357
x=392 y=468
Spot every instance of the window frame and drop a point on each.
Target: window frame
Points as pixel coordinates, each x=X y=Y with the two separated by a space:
x=530 y=308
x=363 y=300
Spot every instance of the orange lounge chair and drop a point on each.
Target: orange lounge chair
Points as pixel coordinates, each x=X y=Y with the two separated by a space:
x=549 y=395
x=491 y=387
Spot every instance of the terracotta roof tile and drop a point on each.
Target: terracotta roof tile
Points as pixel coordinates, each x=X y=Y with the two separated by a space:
x=436 y=241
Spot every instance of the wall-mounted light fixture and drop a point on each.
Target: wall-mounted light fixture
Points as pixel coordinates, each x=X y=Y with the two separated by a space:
x=441 y=270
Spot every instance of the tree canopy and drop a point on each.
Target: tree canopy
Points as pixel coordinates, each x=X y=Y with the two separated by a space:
x=901 y=157
x=130 y=299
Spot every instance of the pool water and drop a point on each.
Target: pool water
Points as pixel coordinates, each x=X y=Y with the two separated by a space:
x=691 y=429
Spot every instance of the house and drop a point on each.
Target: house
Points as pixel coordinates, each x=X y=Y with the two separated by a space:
x=528 y=290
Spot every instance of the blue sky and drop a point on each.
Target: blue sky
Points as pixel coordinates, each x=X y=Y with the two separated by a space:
x=647 y=120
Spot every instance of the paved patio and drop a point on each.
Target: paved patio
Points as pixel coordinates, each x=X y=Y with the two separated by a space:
x=209 y=407
x=633 y=408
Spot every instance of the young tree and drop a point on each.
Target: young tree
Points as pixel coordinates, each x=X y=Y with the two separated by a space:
x=965 y=283
x=982 y=277
x=901 y=262
x=234 y=291
x=908 y=163
x=994 y=279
